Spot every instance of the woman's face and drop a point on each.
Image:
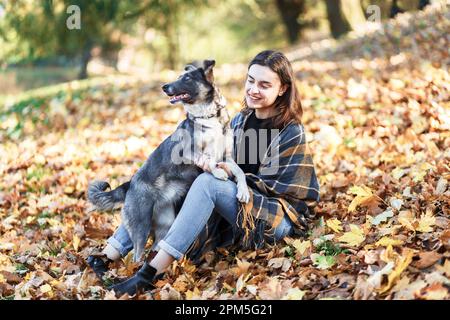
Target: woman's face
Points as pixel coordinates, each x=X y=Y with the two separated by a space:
x=262 y=87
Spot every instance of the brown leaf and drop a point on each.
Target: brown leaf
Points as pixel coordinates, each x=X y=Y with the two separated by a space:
x=10 y=277
x=426 y=259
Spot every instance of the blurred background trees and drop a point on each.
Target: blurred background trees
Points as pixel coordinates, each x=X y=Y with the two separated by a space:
x=152 y=35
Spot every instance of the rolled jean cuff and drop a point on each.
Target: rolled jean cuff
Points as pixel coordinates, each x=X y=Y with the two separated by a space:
x=118 y=246
x=170 y=250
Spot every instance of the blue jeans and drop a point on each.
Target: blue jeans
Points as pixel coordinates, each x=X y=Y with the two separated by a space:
x=206 y=196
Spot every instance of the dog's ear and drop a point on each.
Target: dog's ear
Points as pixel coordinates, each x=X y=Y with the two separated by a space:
x=208 y=66
x=190 y=67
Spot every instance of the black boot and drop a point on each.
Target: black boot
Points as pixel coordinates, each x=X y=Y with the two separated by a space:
x=141 y=281
x=99 y=265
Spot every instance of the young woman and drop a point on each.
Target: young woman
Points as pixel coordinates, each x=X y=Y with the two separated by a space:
x=281 y=179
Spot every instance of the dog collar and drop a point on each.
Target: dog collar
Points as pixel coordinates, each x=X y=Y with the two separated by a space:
x=190 y=116
x=220 y=101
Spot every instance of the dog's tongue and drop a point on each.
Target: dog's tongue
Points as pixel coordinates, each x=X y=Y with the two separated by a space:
x=175 y=99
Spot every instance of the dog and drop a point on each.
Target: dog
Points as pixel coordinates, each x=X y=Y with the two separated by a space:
x=155 y=193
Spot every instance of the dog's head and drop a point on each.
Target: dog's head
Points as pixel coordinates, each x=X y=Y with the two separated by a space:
x=194 y=86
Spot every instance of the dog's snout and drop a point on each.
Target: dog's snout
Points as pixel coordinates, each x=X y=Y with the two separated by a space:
x=165 y=87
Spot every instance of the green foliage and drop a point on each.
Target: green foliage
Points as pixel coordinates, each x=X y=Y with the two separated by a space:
x=179 y=30
x=329 y=248
x=323 y=262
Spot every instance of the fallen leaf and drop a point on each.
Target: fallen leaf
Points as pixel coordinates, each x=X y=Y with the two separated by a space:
x=426 y=222
x=426 y=259
x=382 y=217
x=294 y=294
x=396 y=203
x=354 y=237
x=400 y=266
x=335 y=225
x=434 y=292
x=75 y=242
x=386 y=241
x=301 y=246
x=283 y=263
x=407 y=291
x=323 y=262
x=407 y=220
x=364 y=196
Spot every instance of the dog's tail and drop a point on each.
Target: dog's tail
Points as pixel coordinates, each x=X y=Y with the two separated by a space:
x=105 y=200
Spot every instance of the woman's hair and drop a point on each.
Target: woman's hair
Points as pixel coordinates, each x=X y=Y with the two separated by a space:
x=289 y=103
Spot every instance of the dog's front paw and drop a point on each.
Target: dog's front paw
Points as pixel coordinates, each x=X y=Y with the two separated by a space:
x=243 y=195
x=219 y=174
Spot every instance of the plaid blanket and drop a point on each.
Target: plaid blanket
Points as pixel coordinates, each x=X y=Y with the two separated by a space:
x=286 y=184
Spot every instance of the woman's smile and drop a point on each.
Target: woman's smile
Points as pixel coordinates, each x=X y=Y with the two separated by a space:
x=262 y=88
x=254 y=99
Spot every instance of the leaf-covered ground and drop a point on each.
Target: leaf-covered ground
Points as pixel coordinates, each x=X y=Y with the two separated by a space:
x=378 y=120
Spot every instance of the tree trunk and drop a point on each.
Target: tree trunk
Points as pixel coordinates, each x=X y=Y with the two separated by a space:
x=395 y=9
x=289 y=11
x=353 y=12
x=423 y=4
x=171 y=10
x=85 y=58
x=338 y=24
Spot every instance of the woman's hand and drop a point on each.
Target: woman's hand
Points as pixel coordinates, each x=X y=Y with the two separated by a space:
x=203 y=163
x=225 y=167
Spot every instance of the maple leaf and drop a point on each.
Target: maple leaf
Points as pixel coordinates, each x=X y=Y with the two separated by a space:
x=407 y=291
x=241 y=268
x=364 y=196
x=407 y=220
x=283 y=263
x=426 y=222
x=420 y=171
x=387 y=241
x=301 y=246
x=354 y=237
x=322 y=261
x=193 y=294
x=335 y=225
x=400 y=266
x=426 y=259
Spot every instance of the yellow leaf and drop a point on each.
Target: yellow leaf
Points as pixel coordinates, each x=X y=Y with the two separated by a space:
x=401 y=265
x=69 y=190
x=424 y=224
x=335 y=225
x=426 y=221
x=363 y=195
x=354 y=237
x=46 y=288
x=385 y=241
x=75 y=242
x=406 y=219
x=301 y=246
x=397 y=173
x=193 y=294
x=294 y=294
x=388 y=255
